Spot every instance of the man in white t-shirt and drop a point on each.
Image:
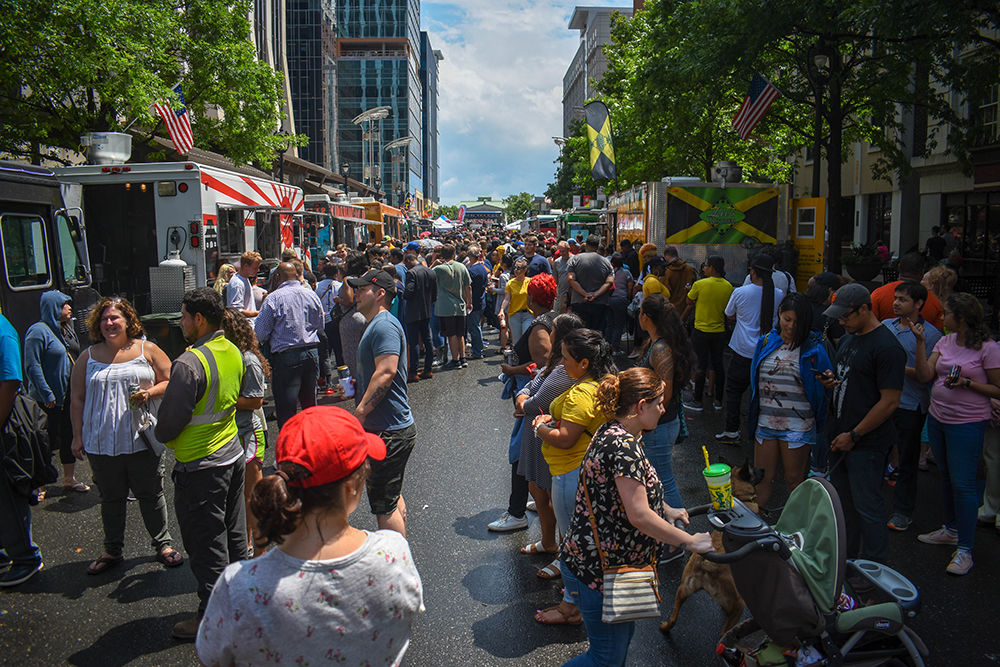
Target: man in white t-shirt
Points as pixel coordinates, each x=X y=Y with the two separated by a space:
x=746 y=308
x=239 y=291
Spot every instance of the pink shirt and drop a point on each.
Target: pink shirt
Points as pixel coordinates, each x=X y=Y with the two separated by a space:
x=961 y=405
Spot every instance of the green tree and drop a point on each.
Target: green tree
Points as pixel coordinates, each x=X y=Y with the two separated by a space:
x=450 y=212
x=573 y=175
x=517 y=207
x=76 y=66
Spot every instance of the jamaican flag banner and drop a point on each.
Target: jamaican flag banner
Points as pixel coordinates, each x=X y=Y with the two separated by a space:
x=602 y=145
x=710 y=214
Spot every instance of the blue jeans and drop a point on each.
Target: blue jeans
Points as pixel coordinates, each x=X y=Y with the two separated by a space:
x=658 y=445
x=957 y=448
x=436 y=336
x=15 y=528
x=564 y=505
x=293 y=381
x=518 y=323
x=608 y=641
x=857 y=476
x=475 y=332
x=616 y=322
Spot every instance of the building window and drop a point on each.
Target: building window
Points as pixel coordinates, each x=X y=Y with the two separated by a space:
x=25 y=251
x=879 y=217
x=989 y=117
x=805 y=223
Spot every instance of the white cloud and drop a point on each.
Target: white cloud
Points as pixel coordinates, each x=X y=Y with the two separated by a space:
x=500 y=91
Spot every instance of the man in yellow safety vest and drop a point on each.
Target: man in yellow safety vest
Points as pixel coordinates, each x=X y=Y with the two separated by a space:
x=197 y=420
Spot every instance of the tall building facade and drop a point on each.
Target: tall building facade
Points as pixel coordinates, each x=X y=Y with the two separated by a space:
x=268 y=20
x=429 y=59
x=311 y=55
x=589 y=64
x=378 y=64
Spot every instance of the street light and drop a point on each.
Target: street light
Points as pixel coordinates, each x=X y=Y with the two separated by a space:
x=370 y=123
x=394 y=147
x=345 y=171
x=377 y=181
x=560 y=141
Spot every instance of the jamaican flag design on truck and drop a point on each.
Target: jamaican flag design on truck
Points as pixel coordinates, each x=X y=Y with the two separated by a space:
x=710 y=214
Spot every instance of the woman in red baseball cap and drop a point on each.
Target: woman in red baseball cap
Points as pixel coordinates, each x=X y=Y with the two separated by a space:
x=329 y=591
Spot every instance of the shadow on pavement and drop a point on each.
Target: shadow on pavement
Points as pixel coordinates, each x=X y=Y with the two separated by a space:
x=68 y=502
x=71 y=581
x=493 y=633
x=475 y=526
x=128 y=641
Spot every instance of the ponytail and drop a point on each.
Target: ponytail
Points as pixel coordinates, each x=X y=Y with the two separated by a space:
x=618 y=394
x=591 y=345
x=767 y=303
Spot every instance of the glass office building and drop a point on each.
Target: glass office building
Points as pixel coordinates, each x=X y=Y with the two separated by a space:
x=429 y=59
x=378 y=64
x=311 y=52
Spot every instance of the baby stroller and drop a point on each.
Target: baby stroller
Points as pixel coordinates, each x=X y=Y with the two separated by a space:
x=810 y=605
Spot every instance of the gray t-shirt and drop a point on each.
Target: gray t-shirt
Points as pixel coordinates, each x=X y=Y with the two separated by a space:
x=251 y=386
x=591 y=270
x=384 y=335
x=353 y=610
x=452 y=279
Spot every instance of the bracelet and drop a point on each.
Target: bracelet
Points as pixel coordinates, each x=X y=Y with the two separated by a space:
x=536 y=430
x=968 y=383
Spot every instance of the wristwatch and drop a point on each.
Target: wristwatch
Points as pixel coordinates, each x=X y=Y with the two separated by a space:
x=854 y=436
x=968 y=383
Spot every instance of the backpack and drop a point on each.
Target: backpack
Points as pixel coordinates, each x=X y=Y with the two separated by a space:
x=27 y=459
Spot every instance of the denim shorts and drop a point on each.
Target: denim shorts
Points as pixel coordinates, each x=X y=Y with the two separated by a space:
x=795 y=439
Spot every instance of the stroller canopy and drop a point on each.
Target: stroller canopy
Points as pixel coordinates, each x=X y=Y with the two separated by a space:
x=813 y=525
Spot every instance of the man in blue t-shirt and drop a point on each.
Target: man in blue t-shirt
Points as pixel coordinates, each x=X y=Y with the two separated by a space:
x=18 y=550
x=479 y=275
x=536 y=263
x=383 y=407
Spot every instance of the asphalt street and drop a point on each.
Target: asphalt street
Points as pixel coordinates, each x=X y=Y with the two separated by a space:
x=480 y=591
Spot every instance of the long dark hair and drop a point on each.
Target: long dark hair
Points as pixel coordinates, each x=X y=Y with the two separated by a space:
x=355 y=264
x=238 y=331
x=590 y=345
x=799 y=304
x=967 y=309
x=669 y=327
x=766 y=301
x=279 y=504
x=561 y=326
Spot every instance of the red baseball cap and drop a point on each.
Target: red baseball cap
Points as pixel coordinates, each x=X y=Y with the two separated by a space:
x=329 y=442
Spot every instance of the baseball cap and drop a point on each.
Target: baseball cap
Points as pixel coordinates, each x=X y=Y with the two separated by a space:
x=329 y=442
x=376 y=277
x=828 y=279
x=848 y=298
x=414 y=246
x=572 y=241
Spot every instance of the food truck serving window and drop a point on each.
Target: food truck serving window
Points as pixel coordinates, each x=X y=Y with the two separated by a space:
x=70 y=242
x=25 y=251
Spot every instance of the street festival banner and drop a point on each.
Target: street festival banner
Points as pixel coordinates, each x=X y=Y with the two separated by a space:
x=710 y=214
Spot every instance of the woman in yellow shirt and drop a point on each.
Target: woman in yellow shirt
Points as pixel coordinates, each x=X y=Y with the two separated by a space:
x=515 y=302
x=565 y=436
x=653 y=283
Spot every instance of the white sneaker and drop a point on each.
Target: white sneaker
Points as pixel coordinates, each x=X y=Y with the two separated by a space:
x=507 y=523
x=940 y=536
x=717 y=405
x=726 y=436
x=531 y=506
x=961 y=562
x=692 y=406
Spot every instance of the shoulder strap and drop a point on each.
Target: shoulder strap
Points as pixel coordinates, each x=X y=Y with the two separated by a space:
x=593 y=523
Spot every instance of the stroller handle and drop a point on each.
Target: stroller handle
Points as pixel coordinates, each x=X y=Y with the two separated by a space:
x=769 y=543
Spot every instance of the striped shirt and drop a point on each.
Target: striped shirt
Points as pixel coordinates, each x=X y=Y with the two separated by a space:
x=783 y=402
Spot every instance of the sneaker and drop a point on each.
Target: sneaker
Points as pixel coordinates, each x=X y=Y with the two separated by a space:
x=19 y=574
x=531 y=506
x=891 y=475
x=727 y=436
x=898 y=522
x=961 y=562
x=717 y=405
x=463 y=362
x=940 y=536
x=635 y=355
x=691 y=406
x=507 y=523
x=187 y=630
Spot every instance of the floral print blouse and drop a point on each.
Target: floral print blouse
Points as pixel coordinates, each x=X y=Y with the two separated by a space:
x=613 y=452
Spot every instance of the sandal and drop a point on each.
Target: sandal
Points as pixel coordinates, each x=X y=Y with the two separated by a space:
x=560 y=617
x=104 y=563
x=536 y=548
x=170 y=557
x=550 y=571
x=77 y=486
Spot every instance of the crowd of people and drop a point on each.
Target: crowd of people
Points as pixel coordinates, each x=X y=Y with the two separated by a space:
x=605 y=352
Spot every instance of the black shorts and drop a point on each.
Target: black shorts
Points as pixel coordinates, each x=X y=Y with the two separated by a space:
x=385 y=483
x=452 y=326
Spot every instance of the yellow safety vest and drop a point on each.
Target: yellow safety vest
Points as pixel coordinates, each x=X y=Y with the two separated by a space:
x=213 y=422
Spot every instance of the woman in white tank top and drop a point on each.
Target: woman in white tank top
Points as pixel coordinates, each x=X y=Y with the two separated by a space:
x=116 y=390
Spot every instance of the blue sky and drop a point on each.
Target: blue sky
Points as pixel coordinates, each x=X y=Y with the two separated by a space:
x=500 y=91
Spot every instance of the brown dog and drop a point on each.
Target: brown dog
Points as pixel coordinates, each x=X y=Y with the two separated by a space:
x=700 y=574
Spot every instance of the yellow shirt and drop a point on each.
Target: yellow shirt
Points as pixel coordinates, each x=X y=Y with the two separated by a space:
x=710 y=296
x=518 y=290
x=652 y=285
x=578 y=405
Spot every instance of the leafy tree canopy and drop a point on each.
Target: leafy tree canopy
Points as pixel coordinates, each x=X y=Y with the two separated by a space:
x=518 y=206
x=76 y=66
x=450 y=212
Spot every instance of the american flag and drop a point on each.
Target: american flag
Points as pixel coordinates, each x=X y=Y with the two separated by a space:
x=178 y=123
x=755 y=105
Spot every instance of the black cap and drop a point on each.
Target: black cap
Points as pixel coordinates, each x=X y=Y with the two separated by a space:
x=828 y=279
x=376 y=277
x=848 y=298
x=656 y=262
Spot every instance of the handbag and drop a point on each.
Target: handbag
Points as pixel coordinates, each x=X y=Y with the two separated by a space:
x=630 y=593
